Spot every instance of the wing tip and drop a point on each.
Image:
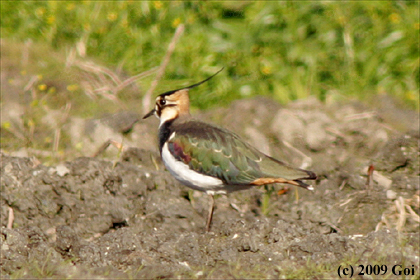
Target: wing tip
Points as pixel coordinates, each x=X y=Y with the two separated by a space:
x=311 y=175
x=304 y=185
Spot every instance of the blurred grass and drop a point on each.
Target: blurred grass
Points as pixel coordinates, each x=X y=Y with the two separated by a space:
x=75 y=55
x=282 y=49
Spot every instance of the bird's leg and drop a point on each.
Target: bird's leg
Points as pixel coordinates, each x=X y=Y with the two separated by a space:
x=210 y=214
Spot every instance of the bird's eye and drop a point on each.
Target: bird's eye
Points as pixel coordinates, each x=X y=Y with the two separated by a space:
x=162 y=102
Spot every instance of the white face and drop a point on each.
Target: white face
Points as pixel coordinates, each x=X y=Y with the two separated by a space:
x=166 y=109
x=171 y=106
x=168 y=113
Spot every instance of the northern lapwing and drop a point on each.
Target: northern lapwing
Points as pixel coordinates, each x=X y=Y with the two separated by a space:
x=211 y=159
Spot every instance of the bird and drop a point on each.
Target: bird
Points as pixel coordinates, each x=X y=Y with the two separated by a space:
x=211 y=159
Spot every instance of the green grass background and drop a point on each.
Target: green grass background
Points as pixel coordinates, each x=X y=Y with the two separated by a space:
x=286 y=50
x=335 y=51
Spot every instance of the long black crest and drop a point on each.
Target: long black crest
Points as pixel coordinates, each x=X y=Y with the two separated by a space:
x=192 y=86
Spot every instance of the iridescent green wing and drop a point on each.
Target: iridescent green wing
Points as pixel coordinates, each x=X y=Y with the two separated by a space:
x=216 y=152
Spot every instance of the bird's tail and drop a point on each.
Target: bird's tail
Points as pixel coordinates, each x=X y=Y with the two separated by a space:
x=299 y=183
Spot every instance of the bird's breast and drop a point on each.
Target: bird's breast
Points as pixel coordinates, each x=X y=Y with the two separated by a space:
x=183 y=173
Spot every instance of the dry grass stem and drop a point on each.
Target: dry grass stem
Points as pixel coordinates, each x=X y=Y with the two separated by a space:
x=306 y=161
x=400 y=205
x=99 y=70
x=70 y=58
x=413 y=214
x=383 y=221
x=59 y=124
x=335 y=132
x=16 y=133
x=355 y=117
x=31 y=82
x=56 y=141
x=147 y=99
x=346 y=202
x=342 y=185
x=101 y=81
x=105 y=145
x=131 y=80
x=11 y=218
x=401 y=211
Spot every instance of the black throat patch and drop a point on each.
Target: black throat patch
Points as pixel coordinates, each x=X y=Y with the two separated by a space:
x=164 y=133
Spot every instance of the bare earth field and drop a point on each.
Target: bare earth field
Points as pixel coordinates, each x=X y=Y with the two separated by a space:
x=124 y=216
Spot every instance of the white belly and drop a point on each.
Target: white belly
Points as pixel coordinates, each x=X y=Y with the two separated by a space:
x=188 y=177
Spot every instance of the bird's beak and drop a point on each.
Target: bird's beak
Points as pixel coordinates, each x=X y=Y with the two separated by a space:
x=149 y=114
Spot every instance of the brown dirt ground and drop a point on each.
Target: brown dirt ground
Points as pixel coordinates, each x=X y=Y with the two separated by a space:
x=126 y=217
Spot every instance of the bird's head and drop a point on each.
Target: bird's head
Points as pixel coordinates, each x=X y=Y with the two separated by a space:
x=175 y=103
